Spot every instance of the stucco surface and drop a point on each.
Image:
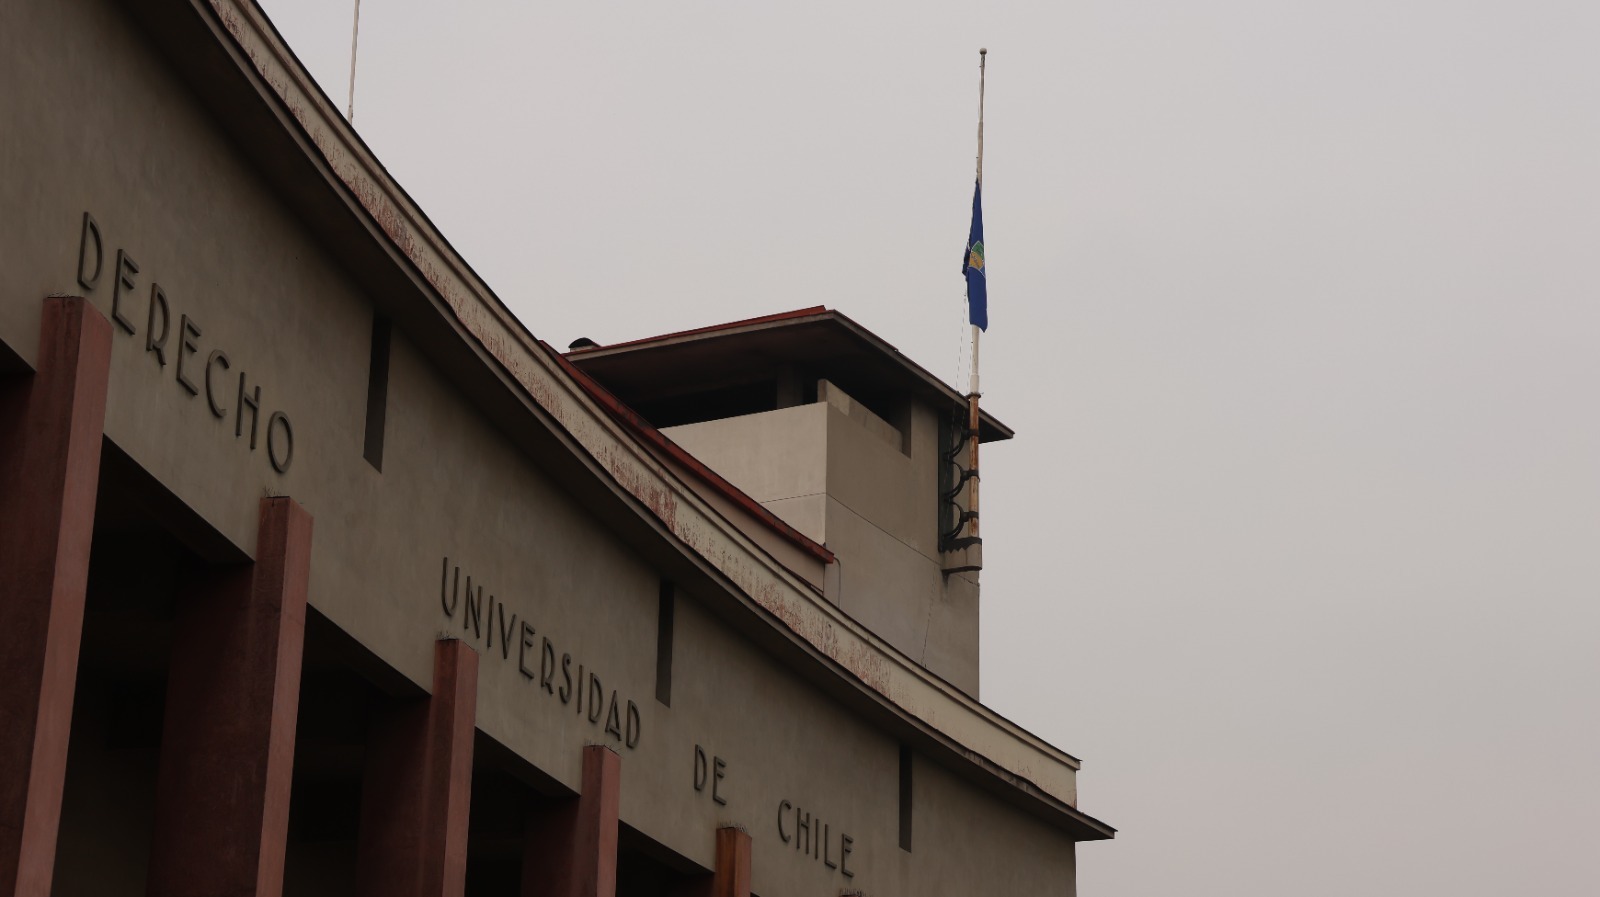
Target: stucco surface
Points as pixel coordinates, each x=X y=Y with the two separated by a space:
x=771 y=456
x=837 y=473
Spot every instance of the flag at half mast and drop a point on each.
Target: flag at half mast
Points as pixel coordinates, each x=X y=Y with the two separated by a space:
x=972 y=265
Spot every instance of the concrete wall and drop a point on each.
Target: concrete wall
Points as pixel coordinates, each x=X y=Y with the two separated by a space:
x=869 y=491
x=779 y=458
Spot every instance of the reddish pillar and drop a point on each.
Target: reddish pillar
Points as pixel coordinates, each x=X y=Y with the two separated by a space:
x=227 y=743
x=572 y=850
x=732 y=875
x=51 y=425
x=417 y=790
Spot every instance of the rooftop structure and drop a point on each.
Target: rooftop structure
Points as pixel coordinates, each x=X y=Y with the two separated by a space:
x=842 y=437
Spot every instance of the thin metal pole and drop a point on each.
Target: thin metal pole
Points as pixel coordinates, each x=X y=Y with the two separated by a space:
x=355 y=33
x=972 y=388
x=983 y=58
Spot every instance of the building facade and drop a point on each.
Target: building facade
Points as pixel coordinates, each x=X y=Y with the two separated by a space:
x=320 y=574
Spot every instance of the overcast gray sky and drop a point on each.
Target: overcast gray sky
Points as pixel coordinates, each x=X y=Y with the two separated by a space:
x=1294 y=307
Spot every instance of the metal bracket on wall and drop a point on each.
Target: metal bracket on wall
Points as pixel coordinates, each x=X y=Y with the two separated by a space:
x=963 y=555
x=954 y=478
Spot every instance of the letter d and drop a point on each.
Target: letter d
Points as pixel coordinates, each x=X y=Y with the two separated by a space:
x=91 y=231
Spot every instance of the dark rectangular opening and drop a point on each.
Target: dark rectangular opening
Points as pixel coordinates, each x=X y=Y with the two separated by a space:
x=664 y=643
x=377 y=391
x=905 y=798
x=710 y=404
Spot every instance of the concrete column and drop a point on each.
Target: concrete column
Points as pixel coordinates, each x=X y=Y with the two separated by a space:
x=51 y=425
x=417 y=790
x=731 y=878
x=227 y=742
x=572 y=850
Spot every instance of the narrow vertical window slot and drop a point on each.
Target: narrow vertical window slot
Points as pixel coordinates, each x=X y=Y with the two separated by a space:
x=905 y=798
x=667 y=608
x=377 y=392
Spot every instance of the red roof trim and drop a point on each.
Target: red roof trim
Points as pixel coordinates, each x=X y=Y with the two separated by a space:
x=631 y=419
x=764 y=319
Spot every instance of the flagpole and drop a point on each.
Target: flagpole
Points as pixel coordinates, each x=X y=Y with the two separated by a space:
x=355 y=34
x=972 y=387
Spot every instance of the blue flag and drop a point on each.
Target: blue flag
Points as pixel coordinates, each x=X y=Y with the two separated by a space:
x=972 y=265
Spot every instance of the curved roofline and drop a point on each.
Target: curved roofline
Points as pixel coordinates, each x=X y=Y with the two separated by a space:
x=1032 y=773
